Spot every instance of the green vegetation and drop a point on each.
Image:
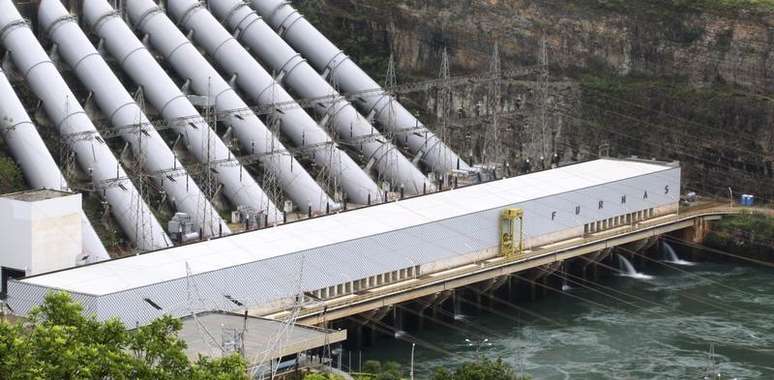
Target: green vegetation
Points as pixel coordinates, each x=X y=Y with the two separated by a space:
x=322 y=376
x=352 y=35
x=374 y=370
x=11 y=178
x=112 y=238
x=667 y=7
x=481 y=370
x=59 y=342
x=713 y=129
x=746 y=234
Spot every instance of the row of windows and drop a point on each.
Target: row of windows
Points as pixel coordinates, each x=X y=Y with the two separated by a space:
x=617 y=221
x=367 y=283
x=413 y=272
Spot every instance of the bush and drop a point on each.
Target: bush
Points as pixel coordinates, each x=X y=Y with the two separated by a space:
x=481 y=370
x=59 y=342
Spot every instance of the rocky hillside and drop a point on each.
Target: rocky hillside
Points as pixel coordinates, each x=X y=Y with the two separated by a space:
x=672 y=79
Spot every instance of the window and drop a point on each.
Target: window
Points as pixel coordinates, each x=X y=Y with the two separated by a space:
x=234 y=301
x=150 y=302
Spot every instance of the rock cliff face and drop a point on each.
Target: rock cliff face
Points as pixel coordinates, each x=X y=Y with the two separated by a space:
x=648 y=37
x=692 y=81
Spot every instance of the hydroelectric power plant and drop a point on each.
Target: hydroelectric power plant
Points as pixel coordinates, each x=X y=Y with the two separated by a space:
x=226 y=164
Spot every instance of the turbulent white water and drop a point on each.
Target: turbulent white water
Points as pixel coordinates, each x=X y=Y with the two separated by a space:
x=627 y=270
x=672 y=257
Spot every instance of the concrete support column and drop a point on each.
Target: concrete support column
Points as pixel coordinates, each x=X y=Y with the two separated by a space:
x=510 y=288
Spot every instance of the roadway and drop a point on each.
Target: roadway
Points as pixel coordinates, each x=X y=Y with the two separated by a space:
x=319 y=311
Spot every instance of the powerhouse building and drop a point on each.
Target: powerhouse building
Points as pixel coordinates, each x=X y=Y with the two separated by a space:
x=369 y=247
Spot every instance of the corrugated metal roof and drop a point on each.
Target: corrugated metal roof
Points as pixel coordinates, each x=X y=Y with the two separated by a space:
x=170 y=264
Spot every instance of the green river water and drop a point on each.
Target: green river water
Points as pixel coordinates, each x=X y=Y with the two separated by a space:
x=663 y=330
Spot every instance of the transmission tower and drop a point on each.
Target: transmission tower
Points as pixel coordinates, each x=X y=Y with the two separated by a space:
x=211 y=119
x=270 y=179
x=66 y=154
x=191 y=289
x=390 y=84
x=325 y=176
x=444 y=105
x=140 y=223
x=282 y=336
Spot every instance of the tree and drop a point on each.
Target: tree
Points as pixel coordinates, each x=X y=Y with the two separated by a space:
x=373 y=369
x=481 y=370
x=59 y=342
x=322 y=376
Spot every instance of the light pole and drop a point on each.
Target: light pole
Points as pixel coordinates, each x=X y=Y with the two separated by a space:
x=411 y=371
x=478 y=344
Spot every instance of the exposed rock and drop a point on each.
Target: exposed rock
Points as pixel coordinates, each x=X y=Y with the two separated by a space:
x=657 y=79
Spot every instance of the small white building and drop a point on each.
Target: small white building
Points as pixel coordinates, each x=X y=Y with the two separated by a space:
x=40 y=231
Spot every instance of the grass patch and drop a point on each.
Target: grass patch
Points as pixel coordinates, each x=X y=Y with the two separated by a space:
x=11 y=177
x=750 y=235
x=662 y=8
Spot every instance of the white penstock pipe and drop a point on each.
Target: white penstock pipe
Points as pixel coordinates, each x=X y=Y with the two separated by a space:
x=372 y=100
x=301 y=78
x=67 y=116
x=253 y=135
x=202 y=142
x=39 y=168
x=295 y=123
x=127 y=116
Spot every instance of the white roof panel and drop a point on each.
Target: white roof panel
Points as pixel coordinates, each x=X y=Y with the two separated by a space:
x=133 y=272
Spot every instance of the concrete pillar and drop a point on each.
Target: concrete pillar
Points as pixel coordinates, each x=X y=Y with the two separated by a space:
x=374 y=334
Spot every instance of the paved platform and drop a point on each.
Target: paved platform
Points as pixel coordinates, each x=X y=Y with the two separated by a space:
x=215 y=334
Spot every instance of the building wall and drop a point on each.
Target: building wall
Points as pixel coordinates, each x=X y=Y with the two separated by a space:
x=431 y=247
x=15 y=234
x=40 y=236
x=56 y=229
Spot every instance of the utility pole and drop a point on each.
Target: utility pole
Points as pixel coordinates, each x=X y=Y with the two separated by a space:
x=411 y=373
